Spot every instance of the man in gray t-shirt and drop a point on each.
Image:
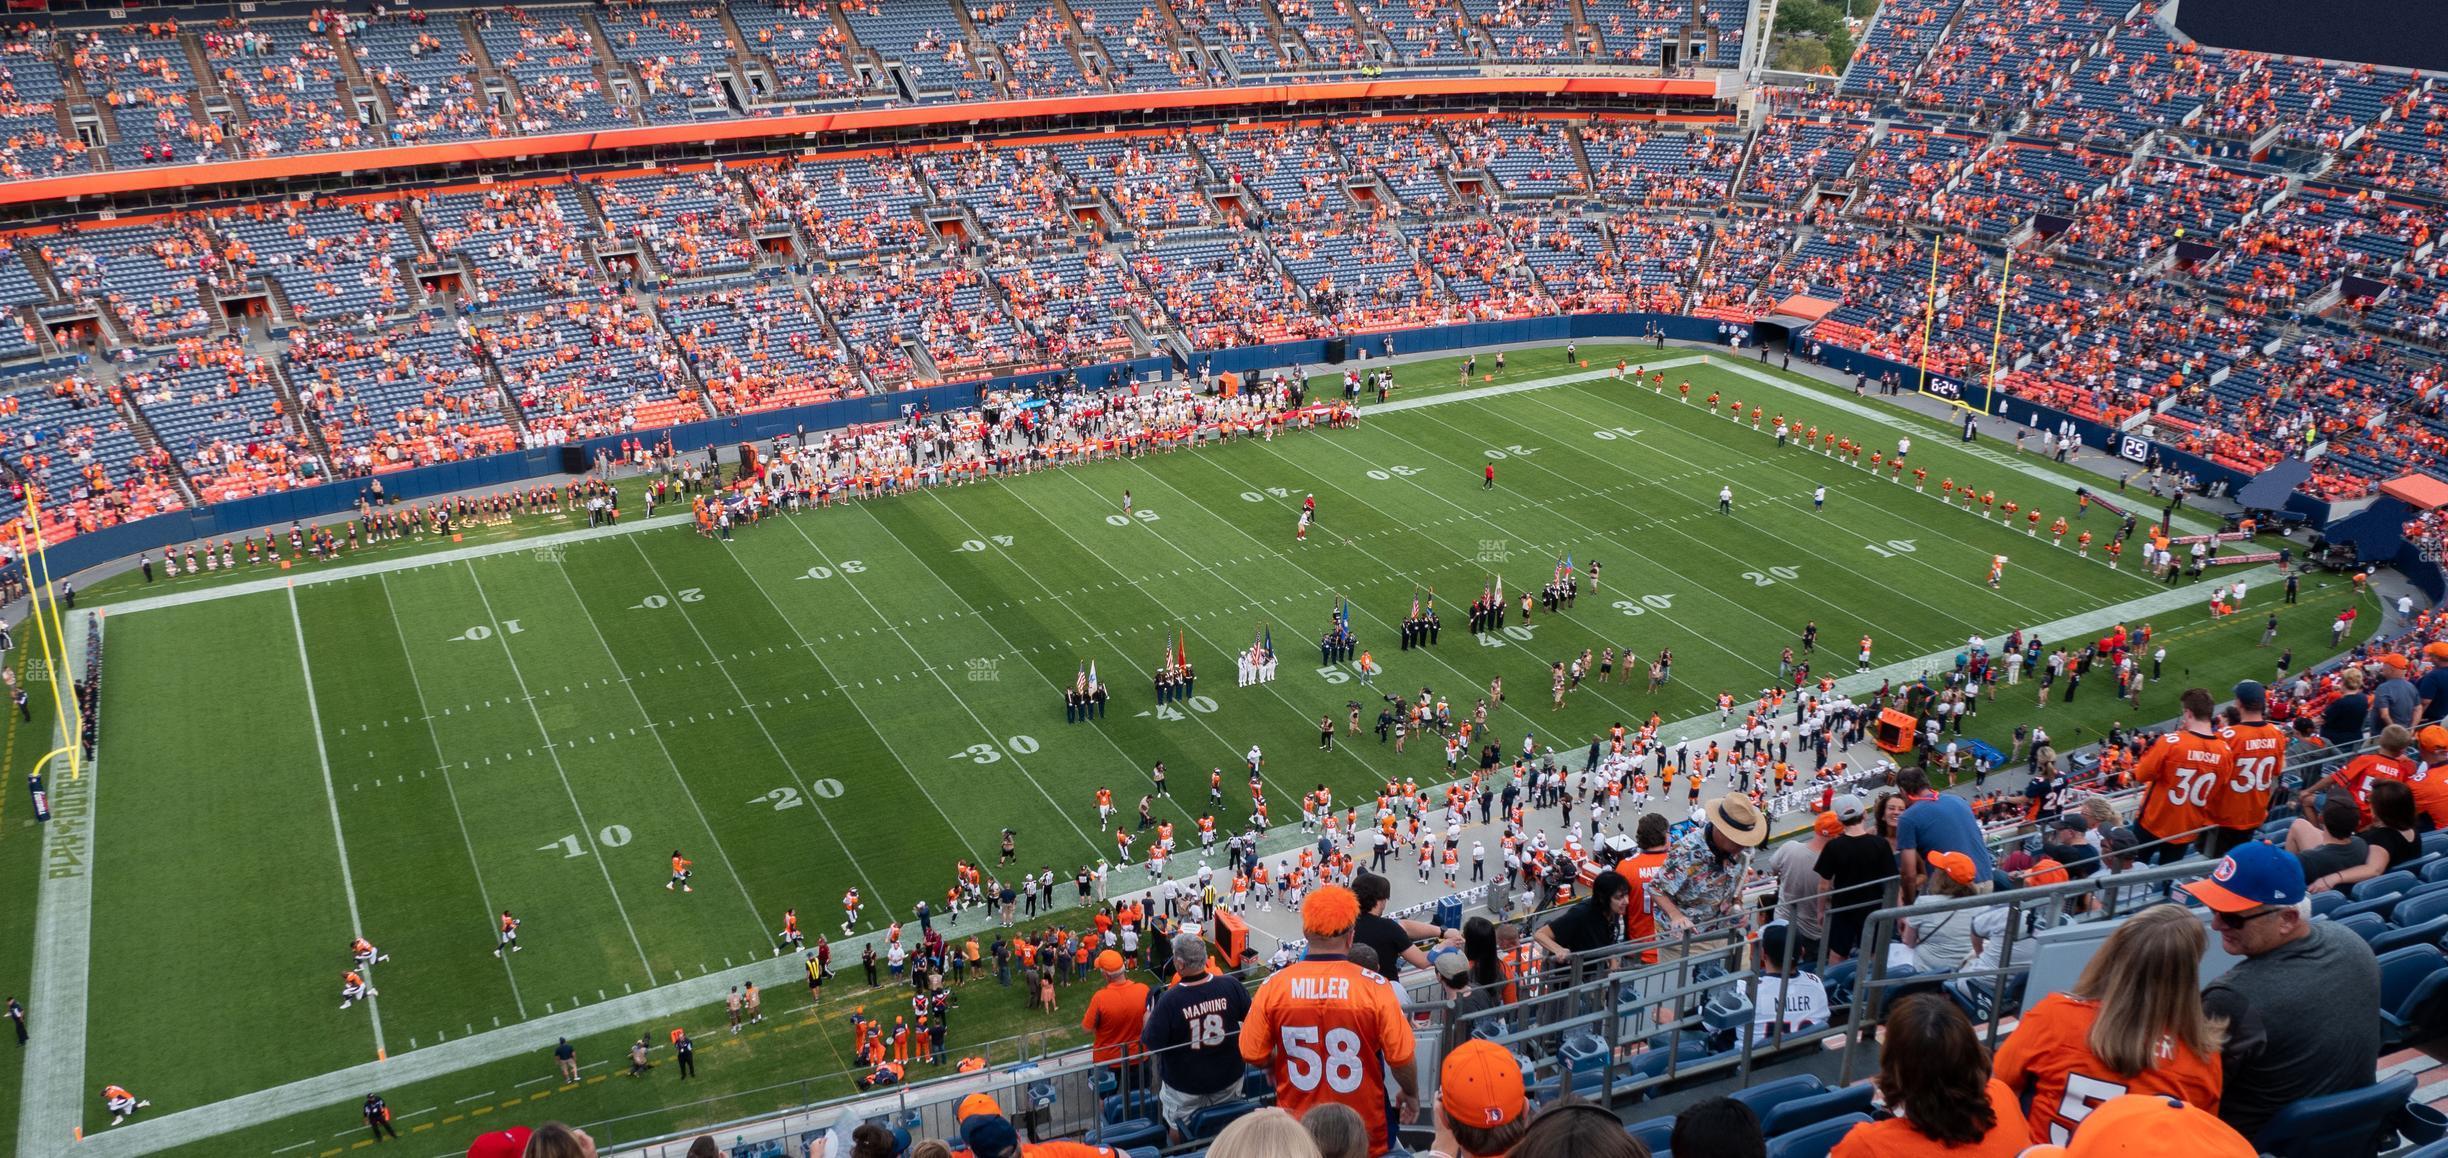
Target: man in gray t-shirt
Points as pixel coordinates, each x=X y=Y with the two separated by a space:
x=1801 y=891
x=2303 y=1007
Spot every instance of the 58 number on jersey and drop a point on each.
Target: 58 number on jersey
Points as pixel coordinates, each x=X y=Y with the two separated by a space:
x=1338 y=1066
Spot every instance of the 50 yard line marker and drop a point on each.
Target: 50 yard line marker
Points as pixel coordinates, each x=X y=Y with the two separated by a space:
x=331 y=799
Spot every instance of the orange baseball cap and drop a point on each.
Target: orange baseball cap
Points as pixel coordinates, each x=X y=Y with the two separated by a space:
x=1827 y=825
x=2151 y=1125
x=1480 y=1085
x=1956 y=865
x=1330 y=911
x=1109 y=962
x=978 y=1104
x=2432 y=736
x=2437 y=649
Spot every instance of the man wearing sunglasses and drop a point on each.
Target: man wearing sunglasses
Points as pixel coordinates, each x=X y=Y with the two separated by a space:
x=2303 y=1007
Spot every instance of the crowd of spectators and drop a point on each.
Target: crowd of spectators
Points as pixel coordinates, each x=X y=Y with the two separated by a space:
x=2326 y=298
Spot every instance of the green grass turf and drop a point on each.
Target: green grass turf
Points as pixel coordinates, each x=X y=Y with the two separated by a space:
x=860 y=696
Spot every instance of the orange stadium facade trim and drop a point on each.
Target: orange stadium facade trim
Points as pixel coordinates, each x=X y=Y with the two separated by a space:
x=852 y=120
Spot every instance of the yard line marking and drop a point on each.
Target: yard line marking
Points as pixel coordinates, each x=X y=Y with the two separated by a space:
x=1145 y=592
x=861 y=709
x=949 y=589
x=299 y=1146
x=416 y=683
x=584 y=829
x=1799 y=541
x=466 y=1100
x=686 y=792
x=331 y=800
x=1777 y=463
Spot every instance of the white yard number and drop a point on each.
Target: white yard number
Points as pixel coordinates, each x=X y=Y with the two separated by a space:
x=848 y=567
x=1334 y=674
x=480 y=632
x=1612 y=433
x=1260 y=497
x=1393 y=472
x=1511 y=450
x=826 y=787
x=1200 y=704
x=612 y=836
x=1773 y=574
x=780 y=798
x=974 y=753
x=1143 y=514
x=1515 y=631
x=1339 y=1068
x=657 y=602
x=1893 y=548
x=1644 y=605
x=975 y=545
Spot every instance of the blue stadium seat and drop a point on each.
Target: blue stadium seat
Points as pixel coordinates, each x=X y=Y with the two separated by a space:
x=1816 y=1140
x=1129 y=1135
x=2435 y=842
x=2386 y=883
x=2416 y=908
x=2325 y=904
x=1801 y=1113
x=1208 y=1123
x=2365 y=925
x=2355 y=1124
x=1256 y=1084
x=2437 y=870
x=2381 y=906
x=2409 y=983
x=1653 y=1133
x=2402 y=934
x=1768 y=1096
x=1136 y=1104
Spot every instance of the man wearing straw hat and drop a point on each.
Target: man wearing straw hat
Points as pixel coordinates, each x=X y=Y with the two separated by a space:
x=1700 y=885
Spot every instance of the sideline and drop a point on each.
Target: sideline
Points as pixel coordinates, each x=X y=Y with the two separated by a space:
x=2186 y=520
x=51 y=1097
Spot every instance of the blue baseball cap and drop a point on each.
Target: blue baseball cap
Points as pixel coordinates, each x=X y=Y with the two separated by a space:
x=2254 y=875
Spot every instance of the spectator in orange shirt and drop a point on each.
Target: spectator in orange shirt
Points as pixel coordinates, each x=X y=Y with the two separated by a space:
x=2133 y=1023
x=1118 y=1011
x=2179 y=773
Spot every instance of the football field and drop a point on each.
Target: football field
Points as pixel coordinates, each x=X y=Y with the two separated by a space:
x=860 y=696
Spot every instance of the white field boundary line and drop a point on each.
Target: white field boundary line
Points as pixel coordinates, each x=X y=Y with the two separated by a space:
x=514 y=546
x=2185 y=519
x=331 y=801
x=699 y=993
x=52 y=1090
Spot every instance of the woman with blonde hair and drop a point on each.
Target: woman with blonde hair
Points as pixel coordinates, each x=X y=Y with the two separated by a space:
x=1267 y=1133
x=2132 y=1024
